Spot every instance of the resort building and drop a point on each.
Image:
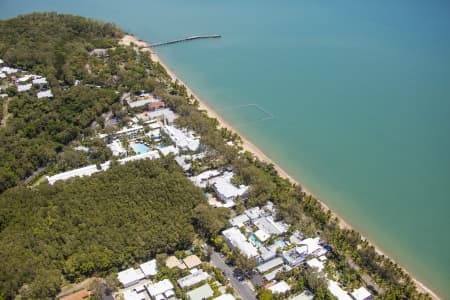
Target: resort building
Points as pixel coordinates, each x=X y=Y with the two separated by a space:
x=116 y=148
x=271 y=275
x=280 y=287
x=201 y=293
x=24 y=87
x=202 y=179
x=315 y=263
x=183 y=139
x=130 y=133
x=236 y=239
x=45 y=94
x=194 y=278
x=269 y=226
x=306 y=295
x=155 y=105
x=361 y=294
x=39 y=81
x=267 y=253
x=165 y=114
x=240 y=220
x=293 y=257
x=311 y=246
x=130 y=277
x=254 y=213
x=226 y=190
x=169 y=150
x=8 y=70
x=181 y=161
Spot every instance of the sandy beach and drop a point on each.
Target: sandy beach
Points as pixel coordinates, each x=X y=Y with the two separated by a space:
x=249 y=146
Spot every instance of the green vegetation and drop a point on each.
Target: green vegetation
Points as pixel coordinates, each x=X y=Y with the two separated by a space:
x=92 y=226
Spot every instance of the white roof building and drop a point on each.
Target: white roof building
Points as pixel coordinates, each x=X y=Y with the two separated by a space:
x=201 y=293
x=225 y=297
x=39 y=80
x=226 y=190
x=24 y=78
x=238 y=240
x=280 y=287
x=202 y=179
x=337 y=291
x=184 y=139
x=263 y=268
x=315 y=263
x=45 y=94
x=267 y=253
x=254 y=213
x=160 y=288
x=262 y=235
x=8 y=70
x=192 y=279
x=239 y=220
x=2 y=75
x=117 y=148
x=166 y=114
x=269 y=226
x=181 y=161
x=169 y=150
x=306 y=295
x=311 y=246
x=24 y=87
x=130 y=277
x=91 y=169
x=271 y=276
x=139 y=103
x=133 y=295
x=361 y=294
x=149 y=268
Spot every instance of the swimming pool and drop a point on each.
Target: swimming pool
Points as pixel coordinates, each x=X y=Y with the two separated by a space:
x=281 y=244
x=254 y=240
x=139 y=148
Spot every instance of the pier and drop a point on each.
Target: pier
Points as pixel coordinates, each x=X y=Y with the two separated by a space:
x=189 y=38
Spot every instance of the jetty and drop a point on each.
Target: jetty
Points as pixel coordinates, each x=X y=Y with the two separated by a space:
x=186 y=39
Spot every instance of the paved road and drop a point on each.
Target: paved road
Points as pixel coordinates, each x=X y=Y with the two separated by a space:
x=243 y=290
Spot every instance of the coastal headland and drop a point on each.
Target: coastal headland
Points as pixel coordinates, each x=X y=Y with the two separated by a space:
x=249 y=146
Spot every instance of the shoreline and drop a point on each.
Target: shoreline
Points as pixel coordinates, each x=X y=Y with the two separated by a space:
x=247 y=145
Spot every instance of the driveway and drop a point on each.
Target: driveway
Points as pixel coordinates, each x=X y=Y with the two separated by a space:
x=241 y=288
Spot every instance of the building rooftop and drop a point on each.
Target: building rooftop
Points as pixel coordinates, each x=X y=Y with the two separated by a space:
x=24 y=87
x=39 y=80
x=280 y=287
x=361 y=294
x=192 y=279
x=172 y=262
x=263 y=268
x=116 y=148
x=269 y=226
x=149 y=268
x=201 y=293
x=226 y=189
x=192 y=261
x=261 y=235
x=315 y=263
x=129 y=276
x=184 y=139
x=166 y=114
x=201 y=180
x=306 y=295
x=238 y=240
x=239 y=220
x=169 y=150
x=45 y=94
x=311 y=246
x=337 y=291
x=161 y=287
x=80 y=295
x=225 y=297
x=254 y=213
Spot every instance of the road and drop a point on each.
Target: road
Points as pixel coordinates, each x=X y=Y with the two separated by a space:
x=241 y=288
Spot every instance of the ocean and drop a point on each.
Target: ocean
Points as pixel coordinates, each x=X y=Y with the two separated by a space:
x=351 y=97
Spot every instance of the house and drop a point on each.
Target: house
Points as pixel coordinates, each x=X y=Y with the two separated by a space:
x=192 y=261
x=225 y=297
x=169 y=150
x=267 y=253
x=160 y=290
x=130 y=277
x=201 y=293
x=172 y=262
x=80 y=295
x=315 y=263
x=24 y=87
x=311 y=246
x=337 y=291
x=149 y=268
x=195 y=277
x=293 y=257
x=24 y=78
x=361 y=294
x=306 y=295
x=280 y=287
x=45 y=94
x=39 y=81
x=240 y=220
x=271 y=264
x=254 y=213
x=226 y=190
x=236 y=239
x=133 y=295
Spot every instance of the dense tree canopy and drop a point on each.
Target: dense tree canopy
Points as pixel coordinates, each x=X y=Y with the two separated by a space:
x=92 y=226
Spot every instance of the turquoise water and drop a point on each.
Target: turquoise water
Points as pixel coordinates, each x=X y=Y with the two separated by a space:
x=139 y=148
x=357 y=95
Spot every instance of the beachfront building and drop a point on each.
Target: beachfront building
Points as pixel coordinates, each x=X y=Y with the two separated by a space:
x=201 y=293
x=311 y=246
x=183 y=139
x=361 y=294
x=235 y=239
x=203 y=179
x=91 y=169
x=337 y=291
x=314 y=263
x=194 y=278
x=270 y=226
x=165 y=114
x=226 y=191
